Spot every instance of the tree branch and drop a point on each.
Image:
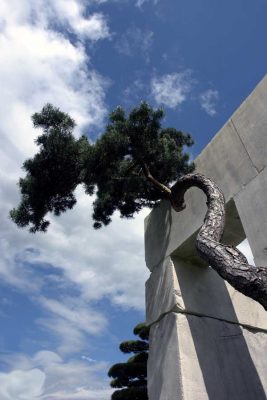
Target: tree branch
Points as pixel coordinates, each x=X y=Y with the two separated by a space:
x=157 y=184
x=226 y=260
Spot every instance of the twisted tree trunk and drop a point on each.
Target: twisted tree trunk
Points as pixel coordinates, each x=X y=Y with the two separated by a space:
x=227 y=261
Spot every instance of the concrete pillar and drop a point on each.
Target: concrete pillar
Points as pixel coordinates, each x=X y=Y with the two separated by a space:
x=208 y=341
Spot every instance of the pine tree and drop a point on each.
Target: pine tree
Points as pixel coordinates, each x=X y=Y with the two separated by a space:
x=129 y=167
x=131 y=377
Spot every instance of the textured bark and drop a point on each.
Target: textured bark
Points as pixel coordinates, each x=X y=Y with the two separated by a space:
x=227 y=261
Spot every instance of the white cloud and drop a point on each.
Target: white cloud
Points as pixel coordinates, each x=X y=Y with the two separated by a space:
x=93 y=27
x=103 y=263
x=69 y=338
x=88 y=359
x=76 y=313
x=22 y=385
x=41 y=65
x=171 y=90
x=107 y=263
x=140 y=3
x=46 y=376
x=82 y=394
x=135 y=41
x=52 y=14
x=208 y=100
x=71 y=320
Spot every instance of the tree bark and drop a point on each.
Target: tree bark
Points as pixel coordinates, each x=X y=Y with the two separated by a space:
x=227 y=261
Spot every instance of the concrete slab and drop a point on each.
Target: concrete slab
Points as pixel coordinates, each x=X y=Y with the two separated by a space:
x=251 y=203
x=198 y=358
x=226 y=161
x=250 y=122
x=179 y=286
x=165 y=380
x=166 y=230
x=162 y=291
x=234 y=234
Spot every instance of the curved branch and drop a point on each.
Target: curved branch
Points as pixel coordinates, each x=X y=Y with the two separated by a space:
x=227 y=261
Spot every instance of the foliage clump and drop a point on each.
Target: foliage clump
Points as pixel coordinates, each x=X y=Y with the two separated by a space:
x=133 y=151
x=131 y=377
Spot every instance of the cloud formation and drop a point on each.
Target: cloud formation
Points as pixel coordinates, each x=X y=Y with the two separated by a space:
x=71 y=13
x=140 y=3
x=46 y=376
x=42 y=65
x=208 y=100
x=22 y=385
x=171 y=90
x=135 y=41
x=71 y=320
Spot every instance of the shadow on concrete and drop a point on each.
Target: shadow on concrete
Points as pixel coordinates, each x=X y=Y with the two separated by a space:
x=228 y=370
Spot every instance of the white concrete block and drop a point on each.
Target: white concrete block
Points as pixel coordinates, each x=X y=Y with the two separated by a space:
x=199 y=358
x=226 y=161
x=251 y=203
x=162 y=291
x=250 y=121
x=176 y=285
x=164 y=374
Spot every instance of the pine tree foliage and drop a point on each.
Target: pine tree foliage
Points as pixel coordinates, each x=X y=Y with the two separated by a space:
x=115 y=167
x=131 y=376
x=130 y=394
x=53 y=173
x=133 y=346
x=142 y=331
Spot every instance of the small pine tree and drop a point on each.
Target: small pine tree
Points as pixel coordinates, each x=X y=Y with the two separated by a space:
x=131 y=377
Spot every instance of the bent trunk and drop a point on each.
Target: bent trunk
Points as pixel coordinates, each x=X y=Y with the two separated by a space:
x=227 y=261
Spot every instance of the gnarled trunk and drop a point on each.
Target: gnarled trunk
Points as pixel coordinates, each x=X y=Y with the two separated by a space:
x=228 y=261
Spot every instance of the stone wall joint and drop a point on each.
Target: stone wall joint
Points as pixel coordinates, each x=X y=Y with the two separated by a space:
x=186 y=312
x=235 y=129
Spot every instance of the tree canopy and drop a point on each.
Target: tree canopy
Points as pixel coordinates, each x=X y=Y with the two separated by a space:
x=133 y=152
x=131 y=377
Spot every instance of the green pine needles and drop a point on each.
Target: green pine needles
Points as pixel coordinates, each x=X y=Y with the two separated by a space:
x=131 y=377
x=129 y=167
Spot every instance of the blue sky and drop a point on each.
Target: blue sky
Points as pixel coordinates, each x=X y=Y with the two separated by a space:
x=69 y=297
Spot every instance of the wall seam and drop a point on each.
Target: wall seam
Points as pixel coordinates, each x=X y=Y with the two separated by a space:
x=185 y=312
x=235 y=129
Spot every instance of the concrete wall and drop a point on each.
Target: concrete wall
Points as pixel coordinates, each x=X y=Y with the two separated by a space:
x=207 y=340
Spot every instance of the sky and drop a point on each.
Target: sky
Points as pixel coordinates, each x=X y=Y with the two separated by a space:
x=70 y=296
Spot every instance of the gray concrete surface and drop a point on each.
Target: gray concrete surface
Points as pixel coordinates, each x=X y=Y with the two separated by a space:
x=207 y=341
x=251 y=203
x=198 y=358
x=180 y=286
x=164 y=365
x=250 y=122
